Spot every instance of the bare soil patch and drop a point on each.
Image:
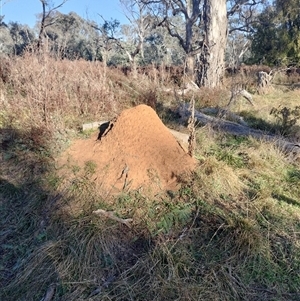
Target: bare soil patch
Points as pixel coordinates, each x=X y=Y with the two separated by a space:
x=137 y=151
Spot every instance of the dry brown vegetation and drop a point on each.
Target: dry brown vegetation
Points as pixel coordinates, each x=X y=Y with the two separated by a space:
x=230 y=233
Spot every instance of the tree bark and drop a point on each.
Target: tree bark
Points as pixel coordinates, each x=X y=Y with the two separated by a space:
x=190 y=66
x=211 y=60
x=42 y=28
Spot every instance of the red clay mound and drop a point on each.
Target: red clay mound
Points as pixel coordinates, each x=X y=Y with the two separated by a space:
x=137 y=151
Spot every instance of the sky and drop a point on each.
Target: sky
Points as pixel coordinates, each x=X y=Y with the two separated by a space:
x=25 y=11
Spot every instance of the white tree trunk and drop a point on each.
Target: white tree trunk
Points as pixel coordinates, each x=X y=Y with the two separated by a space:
x=211 y=60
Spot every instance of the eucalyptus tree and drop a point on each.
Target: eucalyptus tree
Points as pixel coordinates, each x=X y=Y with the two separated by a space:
x=109 y=39
x=136 y=32
x=72 y=37
x=242 y=17
x=204 y=35
x=142 y=40
x=276 y=38
x=6 y=41
x=162 y=48
x=48 y=18
x=238 y=50
x=15 y=37
x=200 y=41
x=21 y=35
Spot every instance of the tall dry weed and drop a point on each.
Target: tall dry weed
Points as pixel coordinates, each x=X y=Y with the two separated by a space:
x=51 y=91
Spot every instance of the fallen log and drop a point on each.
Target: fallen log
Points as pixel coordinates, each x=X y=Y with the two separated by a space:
x=224 y=114
x=233 y=128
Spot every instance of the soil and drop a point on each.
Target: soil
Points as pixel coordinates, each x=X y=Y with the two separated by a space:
x=135 y=151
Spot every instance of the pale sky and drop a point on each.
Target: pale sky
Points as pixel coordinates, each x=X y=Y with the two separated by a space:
x=25 y=11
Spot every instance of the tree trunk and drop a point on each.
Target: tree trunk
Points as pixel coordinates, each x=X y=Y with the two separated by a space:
x=42 y=28
x=210 y=63
x=133 y=66
x=132 y=62
x=190 y=66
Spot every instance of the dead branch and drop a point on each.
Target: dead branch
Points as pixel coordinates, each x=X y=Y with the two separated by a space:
x=111 y=215
x=224 y=113
x=50 y=293
x=242 y=92
x=233 y=128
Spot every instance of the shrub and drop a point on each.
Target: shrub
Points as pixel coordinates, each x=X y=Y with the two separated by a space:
x=286 y=118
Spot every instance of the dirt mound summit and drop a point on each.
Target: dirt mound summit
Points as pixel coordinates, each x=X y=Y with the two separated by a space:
x=135 y=151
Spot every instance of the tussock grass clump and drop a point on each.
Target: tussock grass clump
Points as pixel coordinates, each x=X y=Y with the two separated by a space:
x=231 y=232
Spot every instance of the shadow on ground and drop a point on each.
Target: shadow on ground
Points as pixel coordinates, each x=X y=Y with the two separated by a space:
x=41 y=245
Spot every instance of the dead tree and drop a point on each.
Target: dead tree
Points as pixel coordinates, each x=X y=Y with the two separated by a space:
x=264 y=83
x=47 y=19
x=136 y=13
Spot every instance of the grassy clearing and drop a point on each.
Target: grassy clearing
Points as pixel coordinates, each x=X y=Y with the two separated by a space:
x=231 y=233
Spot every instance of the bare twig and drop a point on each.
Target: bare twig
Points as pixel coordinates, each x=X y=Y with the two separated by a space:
x=111 y=215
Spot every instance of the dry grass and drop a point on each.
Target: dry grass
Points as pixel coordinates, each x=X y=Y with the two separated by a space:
x=230 y=233
x=64 y=93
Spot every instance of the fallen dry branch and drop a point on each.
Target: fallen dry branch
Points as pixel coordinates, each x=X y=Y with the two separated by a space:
x=246 y=95
x=242 y=92
x=111 y=215
x=224 y=113
x=50 y=293
x=189 y=86
x=233 y=128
